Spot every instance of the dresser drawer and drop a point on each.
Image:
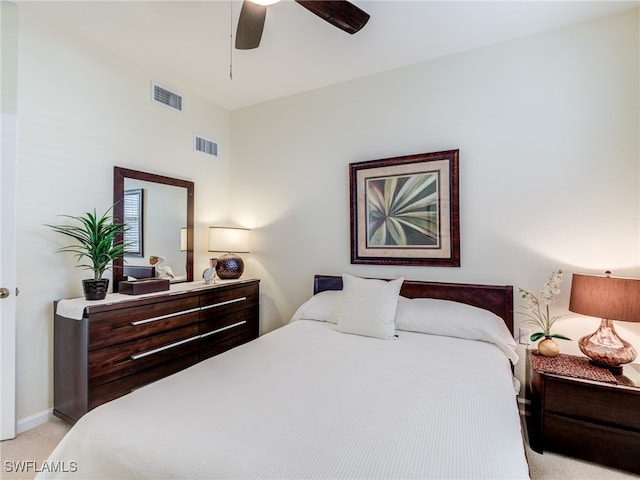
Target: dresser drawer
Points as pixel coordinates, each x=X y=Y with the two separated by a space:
x=228 y=321
x=221 y=340
x=117 y=388
x=210 y=321
x=109 y=363
x=606 y=405
x=612 y=446
x=125 y=324
x=227 y=300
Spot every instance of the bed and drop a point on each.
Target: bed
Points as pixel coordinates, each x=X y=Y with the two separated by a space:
x=427 y=394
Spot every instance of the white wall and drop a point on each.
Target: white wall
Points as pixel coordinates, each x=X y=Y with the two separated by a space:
x=80 y=112
x=547 y=128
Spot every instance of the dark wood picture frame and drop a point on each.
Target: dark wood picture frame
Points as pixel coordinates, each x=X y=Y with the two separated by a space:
x=405 y=210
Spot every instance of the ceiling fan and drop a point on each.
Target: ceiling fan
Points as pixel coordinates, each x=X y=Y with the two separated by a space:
x=340 y=13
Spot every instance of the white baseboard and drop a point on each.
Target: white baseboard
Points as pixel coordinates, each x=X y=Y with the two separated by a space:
x=34 y=420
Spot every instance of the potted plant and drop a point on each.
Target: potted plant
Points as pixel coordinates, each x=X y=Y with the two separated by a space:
x=94 y=238
x=537 y=312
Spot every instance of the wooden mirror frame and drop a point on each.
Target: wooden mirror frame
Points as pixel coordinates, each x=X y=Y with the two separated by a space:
x=119 y=175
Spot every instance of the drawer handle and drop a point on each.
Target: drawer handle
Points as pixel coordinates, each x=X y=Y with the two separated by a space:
x=162 y=317
x=223 y=329
x=214 y=305
x=137 y=356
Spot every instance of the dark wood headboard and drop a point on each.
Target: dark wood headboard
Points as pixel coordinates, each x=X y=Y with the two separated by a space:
x=495 y=298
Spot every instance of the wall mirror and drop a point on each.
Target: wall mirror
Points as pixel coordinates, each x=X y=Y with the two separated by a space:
x=161 y=219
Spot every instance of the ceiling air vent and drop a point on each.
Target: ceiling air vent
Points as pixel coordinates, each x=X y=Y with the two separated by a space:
x=167 y=97
x=204 y=145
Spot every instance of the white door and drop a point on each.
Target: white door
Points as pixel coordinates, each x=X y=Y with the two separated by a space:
x=8 y=45
x=8 y=281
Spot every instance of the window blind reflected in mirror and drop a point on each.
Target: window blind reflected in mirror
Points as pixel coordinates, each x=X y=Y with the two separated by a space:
x=133 y=218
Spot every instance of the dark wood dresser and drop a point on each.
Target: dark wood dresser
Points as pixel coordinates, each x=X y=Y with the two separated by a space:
x=594 y=420
x=113 y=347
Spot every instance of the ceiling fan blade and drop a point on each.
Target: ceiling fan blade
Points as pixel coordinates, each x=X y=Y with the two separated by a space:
x=250 y=25
x=340 y=13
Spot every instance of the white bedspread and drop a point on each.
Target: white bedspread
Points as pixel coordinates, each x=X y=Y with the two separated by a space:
x=306 y=401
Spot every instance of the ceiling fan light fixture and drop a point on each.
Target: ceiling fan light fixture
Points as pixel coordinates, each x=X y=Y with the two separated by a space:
x=339 y=13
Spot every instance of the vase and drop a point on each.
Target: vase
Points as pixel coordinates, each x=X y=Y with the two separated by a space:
x=95 y=289
x=548 y=347
x=230 y=267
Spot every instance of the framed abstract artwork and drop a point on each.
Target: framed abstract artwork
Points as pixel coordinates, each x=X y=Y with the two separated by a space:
x=404 y=210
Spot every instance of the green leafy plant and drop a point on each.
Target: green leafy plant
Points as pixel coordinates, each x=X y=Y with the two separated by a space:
x=537 y=309
x=95 y=240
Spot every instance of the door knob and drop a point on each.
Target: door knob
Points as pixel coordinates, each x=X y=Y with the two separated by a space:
x=4 y=292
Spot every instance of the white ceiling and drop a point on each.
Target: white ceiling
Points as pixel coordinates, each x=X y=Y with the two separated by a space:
x=186 y=45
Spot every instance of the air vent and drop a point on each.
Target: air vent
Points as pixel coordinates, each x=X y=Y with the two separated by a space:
x=204 y=145
x=166 y=97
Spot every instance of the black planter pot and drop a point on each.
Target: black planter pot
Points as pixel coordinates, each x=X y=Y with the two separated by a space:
x=95 y=289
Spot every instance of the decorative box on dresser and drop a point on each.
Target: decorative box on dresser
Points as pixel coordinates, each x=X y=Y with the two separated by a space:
x=106 y=349
x=596 y=420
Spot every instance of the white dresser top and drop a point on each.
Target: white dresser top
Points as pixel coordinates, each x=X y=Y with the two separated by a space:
x=74 y=307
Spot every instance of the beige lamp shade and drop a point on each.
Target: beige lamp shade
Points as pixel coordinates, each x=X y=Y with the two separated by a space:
x=228 y=239
x=183 y=239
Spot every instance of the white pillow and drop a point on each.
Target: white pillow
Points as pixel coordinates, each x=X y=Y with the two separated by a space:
x=323 y=306
x=368 y=306
x=453 y=319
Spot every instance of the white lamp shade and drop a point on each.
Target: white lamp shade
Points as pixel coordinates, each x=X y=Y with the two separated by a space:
x=183 y=239
x=228 y=239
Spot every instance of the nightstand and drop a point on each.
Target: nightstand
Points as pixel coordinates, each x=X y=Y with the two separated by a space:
x=586 y=418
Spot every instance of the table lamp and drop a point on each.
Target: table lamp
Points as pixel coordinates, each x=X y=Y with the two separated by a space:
x=610 y=298
x=183 y=239
x=233 y=241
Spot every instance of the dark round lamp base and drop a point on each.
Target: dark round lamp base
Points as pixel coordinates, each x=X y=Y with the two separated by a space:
x=229 y=267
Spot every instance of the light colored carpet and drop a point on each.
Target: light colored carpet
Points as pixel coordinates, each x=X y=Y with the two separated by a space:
x=22 y=456
x=35 y=446
x=551 y=466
